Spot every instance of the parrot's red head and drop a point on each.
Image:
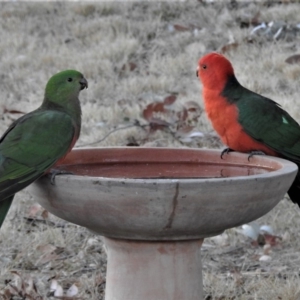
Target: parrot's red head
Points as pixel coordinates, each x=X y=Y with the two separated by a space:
x=214 y=70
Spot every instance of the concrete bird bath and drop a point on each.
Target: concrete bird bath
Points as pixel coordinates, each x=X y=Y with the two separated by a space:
x=154 y=207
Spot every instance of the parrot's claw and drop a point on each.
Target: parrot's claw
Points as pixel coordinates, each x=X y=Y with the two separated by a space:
x=54 y=172
x=252 y=153
x=226 y=151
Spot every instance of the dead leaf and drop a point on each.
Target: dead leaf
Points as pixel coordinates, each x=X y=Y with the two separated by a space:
x=130 y=66
x=45 y=214
x=185 y=130
x=181 y=28
x=229 y=47
x=153 y=108
x=158 y=124
x=12 y=111
x=247 y=21
x=22 y=286
x=255 y=20
x=170 y=99
x=294 y=59
x=192 y=106
x=182 y=115
x=7 y=295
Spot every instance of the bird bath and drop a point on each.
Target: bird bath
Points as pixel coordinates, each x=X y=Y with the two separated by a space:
x=154 y=207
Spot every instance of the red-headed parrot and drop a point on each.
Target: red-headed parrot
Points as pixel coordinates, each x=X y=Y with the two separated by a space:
x=38 y=140
x=246 y=121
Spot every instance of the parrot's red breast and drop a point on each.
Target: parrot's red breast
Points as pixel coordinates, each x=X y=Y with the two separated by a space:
x=222 y=113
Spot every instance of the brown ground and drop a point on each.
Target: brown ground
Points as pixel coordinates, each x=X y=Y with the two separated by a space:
x=134 y=54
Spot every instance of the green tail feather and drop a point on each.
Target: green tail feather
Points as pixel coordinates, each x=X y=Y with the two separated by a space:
x=4 y=208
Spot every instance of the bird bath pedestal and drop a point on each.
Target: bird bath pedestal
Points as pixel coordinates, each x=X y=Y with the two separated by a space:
x=154 y=207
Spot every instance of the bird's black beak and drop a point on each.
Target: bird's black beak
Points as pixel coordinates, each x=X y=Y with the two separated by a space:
x=83 y=82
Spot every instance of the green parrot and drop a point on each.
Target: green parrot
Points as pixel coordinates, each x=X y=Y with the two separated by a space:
x=38 y=140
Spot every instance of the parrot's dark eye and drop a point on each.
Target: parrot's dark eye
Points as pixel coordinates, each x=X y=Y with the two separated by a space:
x=204 y=67
x=70 y=79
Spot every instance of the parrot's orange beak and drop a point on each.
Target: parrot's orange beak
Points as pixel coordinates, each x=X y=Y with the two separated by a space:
x=83 y=82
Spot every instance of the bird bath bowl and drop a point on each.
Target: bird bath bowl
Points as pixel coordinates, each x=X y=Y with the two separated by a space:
x=154 y=207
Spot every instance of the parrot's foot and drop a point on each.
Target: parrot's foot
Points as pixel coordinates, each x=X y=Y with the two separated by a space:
x=54 y=172
x=252 y=153
x=226 y=151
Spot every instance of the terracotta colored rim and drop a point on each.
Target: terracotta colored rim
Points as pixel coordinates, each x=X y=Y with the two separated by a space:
x=276 y=166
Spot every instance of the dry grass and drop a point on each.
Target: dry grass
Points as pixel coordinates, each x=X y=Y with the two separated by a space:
x=39 y=39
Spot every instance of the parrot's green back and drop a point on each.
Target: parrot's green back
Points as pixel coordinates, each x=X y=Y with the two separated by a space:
x=36 y=141
x=265 y=121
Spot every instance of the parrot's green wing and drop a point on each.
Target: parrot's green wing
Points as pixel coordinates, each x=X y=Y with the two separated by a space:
x=30 y=147
x=265 y=121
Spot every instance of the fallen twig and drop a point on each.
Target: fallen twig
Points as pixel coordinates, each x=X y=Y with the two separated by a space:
x=135 y=124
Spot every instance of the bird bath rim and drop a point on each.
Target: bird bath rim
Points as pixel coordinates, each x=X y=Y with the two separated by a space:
x=235 y=159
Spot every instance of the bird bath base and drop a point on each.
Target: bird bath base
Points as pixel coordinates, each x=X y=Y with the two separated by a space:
x=153 y=270
x=154 y=207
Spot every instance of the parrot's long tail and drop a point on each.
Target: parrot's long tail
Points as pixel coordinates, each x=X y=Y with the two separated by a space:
x=294 y=191
x=4 y=208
